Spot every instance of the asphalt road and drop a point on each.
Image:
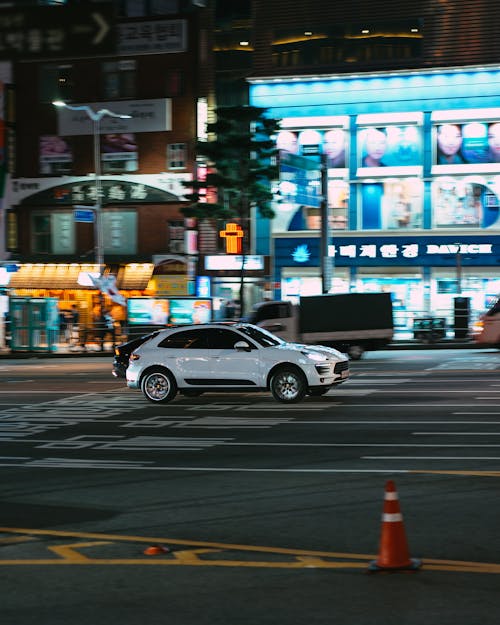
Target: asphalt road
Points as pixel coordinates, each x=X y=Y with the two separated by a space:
x=237 y=509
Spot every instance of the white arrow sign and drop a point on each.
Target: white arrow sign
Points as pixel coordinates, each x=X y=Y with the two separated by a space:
x=103 y=28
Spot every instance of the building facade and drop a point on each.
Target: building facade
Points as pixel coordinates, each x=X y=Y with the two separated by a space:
x=158 y=74
x=406 y=126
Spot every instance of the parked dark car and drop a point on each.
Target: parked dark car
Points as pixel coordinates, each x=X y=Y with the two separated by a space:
x=123 y=351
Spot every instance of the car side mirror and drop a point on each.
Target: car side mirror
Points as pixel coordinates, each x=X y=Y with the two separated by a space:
x=242 y=346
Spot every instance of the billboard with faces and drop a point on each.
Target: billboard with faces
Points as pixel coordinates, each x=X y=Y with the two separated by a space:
x=389 y=146
x=333 y=142
x=471 y=142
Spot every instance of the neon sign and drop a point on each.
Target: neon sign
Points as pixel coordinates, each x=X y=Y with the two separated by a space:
x=233 y=235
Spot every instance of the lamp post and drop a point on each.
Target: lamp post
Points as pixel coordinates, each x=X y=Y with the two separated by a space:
x=95 y=117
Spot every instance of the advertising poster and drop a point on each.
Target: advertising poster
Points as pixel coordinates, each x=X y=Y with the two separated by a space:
x=465 y=203
x=119 y=152
x=55 y=155
x=389 y=146
x=333 y=143
x=470 y=142
x=174 y=310
x=147 y=311
x=335 y=147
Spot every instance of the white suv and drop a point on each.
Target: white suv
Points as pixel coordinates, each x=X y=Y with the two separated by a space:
x=226 y=356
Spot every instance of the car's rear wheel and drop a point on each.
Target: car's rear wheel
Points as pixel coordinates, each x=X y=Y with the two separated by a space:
x=159 y=386
x=288 y=385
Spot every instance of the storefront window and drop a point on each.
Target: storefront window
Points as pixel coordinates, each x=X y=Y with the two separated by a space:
x=391 y=204
x=471 y=202
x=407 y=293
x=120 y=232
x=41 y=233
x=53 y=233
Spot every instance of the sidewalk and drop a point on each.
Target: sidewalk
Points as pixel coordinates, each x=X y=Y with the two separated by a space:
x=63 y=350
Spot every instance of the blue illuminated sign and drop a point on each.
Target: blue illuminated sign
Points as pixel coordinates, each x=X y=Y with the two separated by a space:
x=386 y=251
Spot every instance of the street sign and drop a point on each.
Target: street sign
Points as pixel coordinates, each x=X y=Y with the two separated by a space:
x=36 y=32
x=84 y=216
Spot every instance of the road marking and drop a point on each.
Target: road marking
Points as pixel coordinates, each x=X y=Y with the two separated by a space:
x=464 y=413
x=204 y=553
x=430 y=457
x=456 y=433
x=137 y=443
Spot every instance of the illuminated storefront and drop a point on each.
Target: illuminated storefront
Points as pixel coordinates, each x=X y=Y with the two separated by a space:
x=413 y=185
x=72 y=283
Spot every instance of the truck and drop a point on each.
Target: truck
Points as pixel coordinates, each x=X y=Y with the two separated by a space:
x=350 y=322
x=486 y=331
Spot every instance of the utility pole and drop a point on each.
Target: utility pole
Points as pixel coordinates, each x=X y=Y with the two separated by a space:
x=326 y=261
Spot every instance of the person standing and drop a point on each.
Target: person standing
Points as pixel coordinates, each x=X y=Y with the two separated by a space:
x=74 y=325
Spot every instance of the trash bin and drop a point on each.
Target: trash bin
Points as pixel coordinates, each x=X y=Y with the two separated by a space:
x=429 y=329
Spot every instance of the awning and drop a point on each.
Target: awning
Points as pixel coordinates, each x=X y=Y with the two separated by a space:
x=134 y=276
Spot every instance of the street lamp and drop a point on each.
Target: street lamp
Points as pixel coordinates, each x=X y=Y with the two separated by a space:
x=95 y=117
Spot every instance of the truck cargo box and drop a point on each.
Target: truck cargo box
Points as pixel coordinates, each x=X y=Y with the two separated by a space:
x=345 y=312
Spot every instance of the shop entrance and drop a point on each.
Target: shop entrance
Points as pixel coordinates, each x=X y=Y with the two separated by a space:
x=34 y=324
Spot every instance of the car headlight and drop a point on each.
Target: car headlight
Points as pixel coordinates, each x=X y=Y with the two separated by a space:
x=314 y=356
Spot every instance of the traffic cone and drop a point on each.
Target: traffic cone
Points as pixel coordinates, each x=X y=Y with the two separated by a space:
x=155 y=550
x=393 y=549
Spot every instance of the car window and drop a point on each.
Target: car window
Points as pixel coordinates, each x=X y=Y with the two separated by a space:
x=220 y=338
x=494 y=310
x=261 y=336
x=186 y=339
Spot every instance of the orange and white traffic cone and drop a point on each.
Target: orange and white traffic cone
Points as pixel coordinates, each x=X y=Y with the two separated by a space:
x=155 y=550
x=393 y=550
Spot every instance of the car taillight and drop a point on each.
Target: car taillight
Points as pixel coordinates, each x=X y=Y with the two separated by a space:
x=477 y=327
x=134 y=356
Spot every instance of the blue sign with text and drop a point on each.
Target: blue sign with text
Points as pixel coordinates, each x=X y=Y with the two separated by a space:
x=84 y=216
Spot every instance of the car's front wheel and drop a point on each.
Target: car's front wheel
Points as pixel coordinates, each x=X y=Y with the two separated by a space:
x=159 y=386
x=288 y=385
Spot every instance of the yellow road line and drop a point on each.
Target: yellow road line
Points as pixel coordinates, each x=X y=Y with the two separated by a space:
x=200 y=553
x=471 y=473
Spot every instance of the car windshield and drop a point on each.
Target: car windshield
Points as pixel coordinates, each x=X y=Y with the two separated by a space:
x=260 y=336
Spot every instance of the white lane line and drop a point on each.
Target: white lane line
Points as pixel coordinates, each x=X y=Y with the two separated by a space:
x=63 y=463
x=464 y=413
